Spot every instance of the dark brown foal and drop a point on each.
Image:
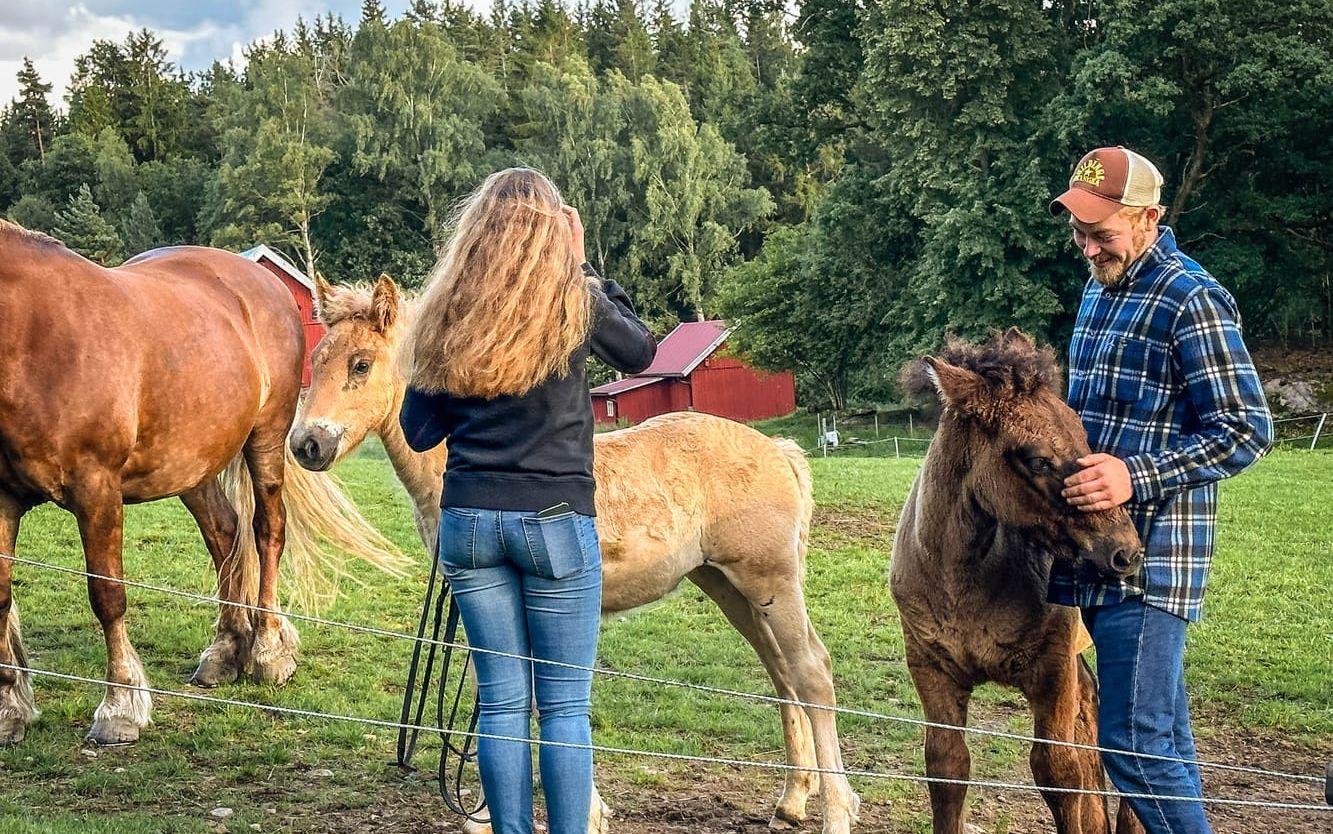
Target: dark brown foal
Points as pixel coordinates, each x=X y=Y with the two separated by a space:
x=975 y=543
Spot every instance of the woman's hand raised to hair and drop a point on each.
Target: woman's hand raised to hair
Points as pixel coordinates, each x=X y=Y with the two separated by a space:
x=575 y=232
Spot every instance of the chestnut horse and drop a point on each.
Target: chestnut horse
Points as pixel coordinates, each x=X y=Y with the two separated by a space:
x=682 y=496
x=144 y=382
x=981 y=527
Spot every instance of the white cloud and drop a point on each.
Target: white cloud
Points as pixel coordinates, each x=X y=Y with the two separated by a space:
x=55 y=39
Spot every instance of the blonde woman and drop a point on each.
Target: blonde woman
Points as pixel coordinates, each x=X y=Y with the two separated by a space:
x=498 y=356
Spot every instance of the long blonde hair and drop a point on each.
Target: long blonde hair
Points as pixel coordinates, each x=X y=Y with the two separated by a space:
x=507 y=304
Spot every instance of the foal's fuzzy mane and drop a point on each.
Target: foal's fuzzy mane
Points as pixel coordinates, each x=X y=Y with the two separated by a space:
x=356 y=301
x=1010 y=363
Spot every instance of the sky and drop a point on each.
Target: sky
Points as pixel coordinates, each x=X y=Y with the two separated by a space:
x=195 y=32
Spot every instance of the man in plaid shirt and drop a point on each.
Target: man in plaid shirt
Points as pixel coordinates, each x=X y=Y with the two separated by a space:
x=1162 y=379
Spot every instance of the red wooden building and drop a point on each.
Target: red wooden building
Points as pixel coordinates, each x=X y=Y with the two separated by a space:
x=693 y=372
x=302 y=289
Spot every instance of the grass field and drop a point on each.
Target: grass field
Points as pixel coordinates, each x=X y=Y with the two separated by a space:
x=1259 y=666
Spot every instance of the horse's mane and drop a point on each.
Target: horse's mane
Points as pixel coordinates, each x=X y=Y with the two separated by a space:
x=1010 y=362
x=28 y=234
x=357 y=301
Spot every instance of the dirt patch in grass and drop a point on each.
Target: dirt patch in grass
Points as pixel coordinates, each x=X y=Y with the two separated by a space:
x=731 y=802
x=865 y=526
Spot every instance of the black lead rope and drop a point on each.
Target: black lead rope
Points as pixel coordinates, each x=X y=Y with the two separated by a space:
x=455 y=756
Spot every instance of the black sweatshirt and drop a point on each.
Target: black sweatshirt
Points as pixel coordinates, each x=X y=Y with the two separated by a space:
x=530 y=452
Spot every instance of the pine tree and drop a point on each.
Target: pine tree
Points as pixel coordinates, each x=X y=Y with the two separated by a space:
x=31 y=113
x=669 y=42
x=141 y=230
x=83 y=228
x=372 y=11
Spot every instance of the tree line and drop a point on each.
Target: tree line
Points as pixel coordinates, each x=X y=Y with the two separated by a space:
x=845 y=182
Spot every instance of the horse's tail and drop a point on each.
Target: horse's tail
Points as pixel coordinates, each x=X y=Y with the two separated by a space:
x=325 y=532
x=805 y=485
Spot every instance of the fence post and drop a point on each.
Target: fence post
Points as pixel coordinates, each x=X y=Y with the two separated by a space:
x=895 y=446
x=1317 y=429
x=910 y=431
x=877 y=424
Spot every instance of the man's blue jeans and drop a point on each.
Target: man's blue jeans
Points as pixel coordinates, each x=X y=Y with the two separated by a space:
x=1143 y=708
x=529 y=586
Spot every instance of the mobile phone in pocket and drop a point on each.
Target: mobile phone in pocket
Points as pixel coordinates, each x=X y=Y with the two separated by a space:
x=559 y=509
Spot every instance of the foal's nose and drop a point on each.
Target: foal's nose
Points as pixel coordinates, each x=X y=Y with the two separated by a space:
x=1115 y=560
x=315 y=447
x=1123 y=562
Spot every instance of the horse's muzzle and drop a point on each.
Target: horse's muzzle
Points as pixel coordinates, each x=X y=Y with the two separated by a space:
x=315 y=445
x=1114 y=559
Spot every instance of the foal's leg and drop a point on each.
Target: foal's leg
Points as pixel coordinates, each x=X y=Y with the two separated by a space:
x=804 y=665
x=796 y=732
x=944 y=701
x=273 y=654
x=1096 y=808
x=1056 y=692
x=123 y=711
x=17 y=709
x=223 y=660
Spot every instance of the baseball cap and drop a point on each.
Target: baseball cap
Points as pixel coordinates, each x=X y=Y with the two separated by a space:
x=1105 y=181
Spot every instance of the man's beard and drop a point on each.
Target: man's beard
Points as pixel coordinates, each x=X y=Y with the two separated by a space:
x=1112 y=272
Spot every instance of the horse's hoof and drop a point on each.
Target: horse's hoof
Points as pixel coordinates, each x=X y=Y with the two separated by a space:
x=973 y=828
x=222 y=661
x=12 y=732
x=599 y=820
x=273 y=655
x=274 y=670
x=16 y=713
x=841 y=823
x=215 y=669
x=470 y=827
x=113 y=732
x=782 y=823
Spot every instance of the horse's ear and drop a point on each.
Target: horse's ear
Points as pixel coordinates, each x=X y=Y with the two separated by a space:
x=1014 y=336
x=323 y=291
x=958 y=387
x=384 y=303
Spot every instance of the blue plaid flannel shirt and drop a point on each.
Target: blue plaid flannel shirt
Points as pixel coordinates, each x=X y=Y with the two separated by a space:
x=1161 y=378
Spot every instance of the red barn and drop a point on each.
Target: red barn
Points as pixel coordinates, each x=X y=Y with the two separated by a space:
x=302 y=289
x=693 y=372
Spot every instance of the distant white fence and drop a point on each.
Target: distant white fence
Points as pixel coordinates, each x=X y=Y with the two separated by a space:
x=831 y=440
x=1309 y=428
x=1317 y=422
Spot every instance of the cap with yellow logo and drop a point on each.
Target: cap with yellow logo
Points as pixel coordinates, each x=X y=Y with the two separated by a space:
x=1107 y=180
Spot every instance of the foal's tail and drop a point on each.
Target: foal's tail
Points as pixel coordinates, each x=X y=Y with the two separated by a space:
x=800 y=467
x=325 y=533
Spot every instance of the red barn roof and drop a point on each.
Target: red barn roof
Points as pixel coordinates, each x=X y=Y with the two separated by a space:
x=688 y=375
x=262 y=251
x=685 y=347
x=629 y=383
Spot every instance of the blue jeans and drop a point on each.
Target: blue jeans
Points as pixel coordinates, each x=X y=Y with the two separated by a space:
x=529 y=586
x=1143 y=708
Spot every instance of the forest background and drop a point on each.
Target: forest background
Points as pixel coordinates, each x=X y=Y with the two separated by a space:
x=845 y=182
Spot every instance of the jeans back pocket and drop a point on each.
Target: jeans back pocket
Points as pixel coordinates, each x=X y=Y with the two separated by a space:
x=555 y=545
x=458 y=537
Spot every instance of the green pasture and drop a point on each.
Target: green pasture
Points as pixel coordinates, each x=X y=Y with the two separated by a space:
x=1262 y=658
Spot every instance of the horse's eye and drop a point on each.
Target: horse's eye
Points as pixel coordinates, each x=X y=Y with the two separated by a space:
x=1039 y=465
x=361 y=367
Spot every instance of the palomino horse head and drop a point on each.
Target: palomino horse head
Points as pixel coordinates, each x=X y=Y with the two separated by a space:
x=355 y=385
x=1014 y=441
